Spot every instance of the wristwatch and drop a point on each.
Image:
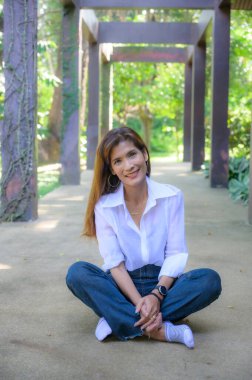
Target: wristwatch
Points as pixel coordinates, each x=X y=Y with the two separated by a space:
x=161 y=289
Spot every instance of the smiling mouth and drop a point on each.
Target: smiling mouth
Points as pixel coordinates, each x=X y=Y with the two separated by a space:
x=133 y=174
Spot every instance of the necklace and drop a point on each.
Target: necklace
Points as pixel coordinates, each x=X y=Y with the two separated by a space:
x=134 y=213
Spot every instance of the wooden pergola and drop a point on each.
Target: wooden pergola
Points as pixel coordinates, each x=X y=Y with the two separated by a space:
x=100 y=37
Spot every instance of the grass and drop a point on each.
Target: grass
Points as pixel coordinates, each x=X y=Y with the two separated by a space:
x=48 y=180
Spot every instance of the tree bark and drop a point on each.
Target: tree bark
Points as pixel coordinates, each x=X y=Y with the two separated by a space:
x=146 y=119
x=18 y=148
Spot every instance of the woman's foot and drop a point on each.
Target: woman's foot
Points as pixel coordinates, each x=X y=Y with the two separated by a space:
x=173 y=333
x=179 y=333
x=102 y=329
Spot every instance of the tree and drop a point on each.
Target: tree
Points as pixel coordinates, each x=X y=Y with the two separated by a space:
x=149 y=91
x=19 y=174
x=240 y=92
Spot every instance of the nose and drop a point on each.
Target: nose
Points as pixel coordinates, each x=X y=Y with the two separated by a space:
x=128 y=165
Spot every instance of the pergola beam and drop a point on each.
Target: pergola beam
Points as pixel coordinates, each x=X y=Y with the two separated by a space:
x=148 y=54
x=106 y=52
x=223 y=3
x=198 y=100
x=66 y=3
x=203 y=24
x=93 y=103
x=90 y=25
x=250 y=185
x=187 y=112
x=220 y=86
x=145 y=4
x=70 y=158
x=147 y=32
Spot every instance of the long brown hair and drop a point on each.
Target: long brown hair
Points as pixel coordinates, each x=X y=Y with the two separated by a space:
x=103 y=180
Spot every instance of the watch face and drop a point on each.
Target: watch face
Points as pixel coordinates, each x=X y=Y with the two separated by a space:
x=162 y=290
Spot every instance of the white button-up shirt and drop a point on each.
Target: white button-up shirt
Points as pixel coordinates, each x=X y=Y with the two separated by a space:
x=160 y=240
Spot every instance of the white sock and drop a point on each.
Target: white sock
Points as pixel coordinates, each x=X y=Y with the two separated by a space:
x=102 y=329
x=179 y=333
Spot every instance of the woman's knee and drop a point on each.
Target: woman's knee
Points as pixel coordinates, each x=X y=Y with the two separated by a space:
x=78 y=273
x=212 y=283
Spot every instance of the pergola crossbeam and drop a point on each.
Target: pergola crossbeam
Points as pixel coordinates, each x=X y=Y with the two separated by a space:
x=147 y=32
x=145 y=4
x=148 y=54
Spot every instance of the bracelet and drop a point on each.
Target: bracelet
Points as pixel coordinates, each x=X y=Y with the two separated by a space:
x=154 y=294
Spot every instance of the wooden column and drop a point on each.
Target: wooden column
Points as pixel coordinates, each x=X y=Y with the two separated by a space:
x=93 y=104
x=106 y=98
x=19 y=167
x=70 y=158
x=220 y=79
x=187 y=112
x=250 y=184
x=198 y=102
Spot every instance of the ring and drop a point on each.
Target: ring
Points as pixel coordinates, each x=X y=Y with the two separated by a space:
x=153 y=317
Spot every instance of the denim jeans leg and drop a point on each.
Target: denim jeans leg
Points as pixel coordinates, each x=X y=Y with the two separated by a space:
x=191 y=292
x=98 y=290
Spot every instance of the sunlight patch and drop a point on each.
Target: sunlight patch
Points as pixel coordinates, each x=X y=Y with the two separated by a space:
x=4 y=266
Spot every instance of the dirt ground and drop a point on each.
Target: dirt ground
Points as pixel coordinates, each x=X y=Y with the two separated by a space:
x=48 y=334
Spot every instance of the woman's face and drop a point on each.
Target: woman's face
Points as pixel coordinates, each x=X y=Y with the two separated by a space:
x=129 y=163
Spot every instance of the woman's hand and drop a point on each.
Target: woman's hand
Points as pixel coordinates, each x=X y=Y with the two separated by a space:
x=149 y=308
x=156 y=324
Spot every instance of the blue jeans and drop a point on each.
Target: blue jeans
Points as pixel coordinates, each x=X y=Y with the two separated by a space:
x=191 y=292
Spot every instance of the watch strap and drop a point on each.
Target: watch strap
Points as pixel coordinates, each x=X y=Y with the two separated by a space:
x=155 y=295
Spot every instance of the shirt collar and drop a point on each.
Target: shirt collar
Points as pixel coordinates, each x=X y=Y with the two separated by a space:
x=155 y=191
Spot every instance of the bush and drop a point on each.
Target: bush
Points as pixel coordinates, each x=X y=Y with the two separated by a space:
x=238 y=184
x=238 y=178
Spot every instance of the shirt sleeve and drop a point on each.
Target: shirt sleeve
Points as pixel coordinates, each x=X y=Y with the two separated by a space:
x=107 y=241
x=176 y=253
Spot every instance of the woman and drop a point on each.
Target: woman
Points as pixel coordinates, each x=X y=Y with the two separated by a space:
x=139 y=225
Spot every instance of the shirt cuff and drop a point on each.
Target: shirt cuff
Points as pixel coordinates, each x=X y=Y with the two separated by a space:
x=112 y=263
x=174 y=265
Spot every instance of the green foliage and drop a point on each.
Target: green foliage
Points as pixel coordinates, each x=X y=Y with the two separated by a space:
x=240 y=92
x=238 y=184
x=47 y=181
x=159 y=87
x=238 y=178
x=49 y=29
x=206 y=169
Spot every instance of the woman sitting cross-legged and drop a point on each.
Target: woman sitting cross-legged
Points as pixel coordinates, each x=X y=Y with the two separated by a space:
x=139 y=224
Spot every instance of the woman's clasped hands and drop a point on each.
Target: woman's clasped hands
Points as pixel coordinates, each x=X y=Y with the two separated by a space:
x=150 y=315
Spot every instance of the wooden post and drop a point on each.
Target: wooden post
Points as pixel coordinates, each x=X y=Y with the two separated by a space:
x=70 y=158
x=93 y=104
x=220 y=79
x=198 y=101
x=106 y=98
x=250 y=183
x=187 y=112
x=19 y=168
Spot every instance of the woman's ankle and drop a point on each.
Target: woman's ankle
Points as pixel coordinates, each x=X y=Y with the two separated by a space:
x=157 y=334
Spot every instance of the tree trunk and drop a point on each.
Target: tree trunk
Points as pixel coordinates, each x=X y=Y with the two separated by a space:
x=146 y=119
x=18 y=148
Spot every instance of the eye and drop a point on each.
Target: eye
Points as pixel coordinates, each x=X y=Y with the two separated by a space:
x=117 y=162
x=133 y=153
